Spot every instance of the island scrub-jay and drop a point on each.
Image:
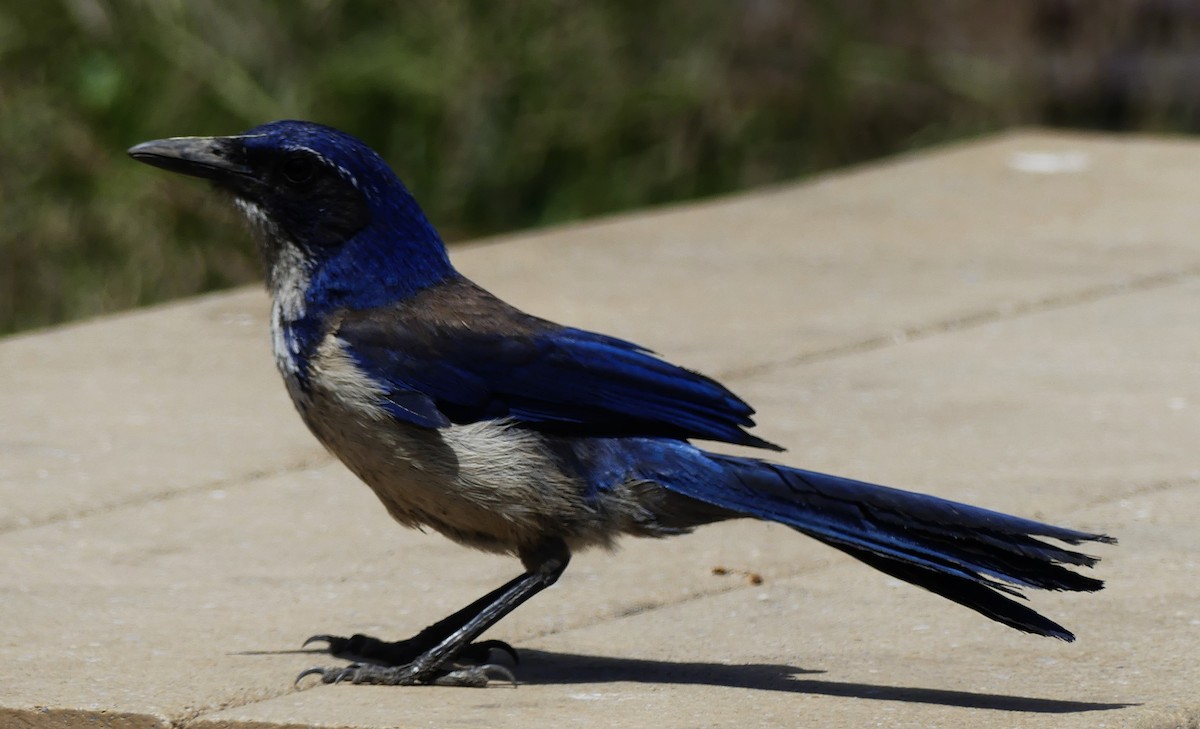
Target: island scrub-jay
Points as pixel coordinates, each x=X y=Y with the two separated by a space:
x=512 y=434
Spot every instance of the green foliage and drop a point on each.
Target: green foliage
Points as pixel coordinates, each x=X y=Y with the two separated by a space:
x=499 y=115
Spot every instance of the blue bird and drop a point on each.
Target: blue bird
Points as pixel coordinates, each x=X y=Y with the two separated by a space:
x=512 y=434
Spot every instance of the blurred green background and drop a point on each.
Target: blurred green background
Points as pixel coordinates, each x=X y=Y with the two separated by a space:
x=505 y=115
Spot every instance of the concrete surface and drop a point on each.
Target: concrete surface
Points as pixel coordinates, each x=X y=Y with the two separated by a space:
x=1010 y=322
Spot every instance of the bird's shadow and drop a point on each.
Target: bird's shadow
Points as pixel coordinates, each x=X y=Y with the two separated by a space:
x=546 y=668
x=550 y=668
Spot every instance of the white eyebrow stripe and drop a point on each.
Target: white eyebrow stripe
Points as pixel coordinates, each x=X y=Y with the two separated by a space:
x=345 y=173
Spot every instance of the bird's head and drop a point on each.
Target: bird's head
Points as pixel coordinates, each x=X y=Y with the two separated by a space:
x=331 y=217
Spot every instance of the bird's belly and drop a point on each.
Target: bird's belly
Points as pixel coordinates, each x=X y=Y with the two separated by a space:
x=489 y=485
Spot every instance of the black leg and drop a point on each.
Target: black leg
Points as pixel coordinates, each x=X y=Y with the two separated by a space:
x=430 y=656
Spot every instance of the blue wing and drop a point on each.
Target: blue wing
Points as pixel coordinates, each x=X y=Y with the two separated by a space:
x=456 y=354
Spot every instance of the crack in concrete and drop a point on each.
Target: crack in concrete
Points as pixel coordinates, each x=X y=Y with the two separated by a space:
x=1154 y=487
x=248 y=477
x=1003 y=311
x=201 y=714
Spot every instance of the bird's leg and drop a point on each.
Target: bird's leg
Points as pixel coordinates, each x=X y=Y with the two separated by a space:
x=430 y=656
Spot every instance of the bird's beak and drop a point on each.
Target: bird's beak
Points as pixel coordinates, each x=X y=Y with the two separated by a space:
x=214 y=158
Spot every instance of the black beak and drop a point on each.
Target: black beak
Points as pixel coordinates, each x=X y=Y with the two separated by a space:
x=220 y=159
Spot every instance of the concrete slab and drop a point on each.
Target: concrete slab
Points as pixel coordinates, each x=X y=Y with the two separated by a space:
x=120 y=411
x=951 y=322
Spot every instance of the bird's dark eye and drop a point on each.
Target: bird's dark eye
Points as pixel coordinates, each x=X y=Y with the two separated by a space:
x=299 y=169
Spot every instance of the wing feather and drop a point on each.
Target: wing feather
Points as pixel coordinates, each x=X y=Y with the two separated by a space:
x=504 y=363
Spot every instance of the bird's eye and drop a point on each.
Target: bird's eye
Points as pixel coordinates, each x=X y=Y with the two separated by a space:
x=298 y=169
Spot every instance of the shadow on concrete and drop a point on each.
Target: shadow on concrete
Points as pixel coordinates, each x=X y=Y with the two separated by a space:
x=546 y=668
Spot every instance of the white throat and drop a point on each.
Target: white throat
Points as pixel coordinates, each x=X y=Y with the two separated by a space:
x=287 y=280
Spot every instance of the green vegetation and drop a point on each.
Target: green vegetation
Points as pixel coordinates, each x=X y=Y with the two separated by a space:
x=499 y=115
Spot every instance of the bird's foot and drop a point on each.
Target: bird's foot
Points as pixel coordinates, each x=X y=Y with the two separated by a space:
x=476 y=676
x=361 y=648
x=400 y=663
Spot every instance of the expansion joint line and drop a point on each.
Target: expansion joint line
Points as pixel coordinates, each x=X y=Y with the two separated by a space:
x=1002 y=312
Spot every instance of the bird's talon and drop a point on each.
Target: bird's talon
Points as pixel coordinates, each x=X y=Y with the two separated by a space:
x=498 y=671
x=475 y=676
x=310 y=672
x=321 y=636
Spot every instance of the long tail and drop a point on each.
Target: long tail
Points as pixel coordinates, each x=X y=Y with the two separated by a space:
x=973 y=556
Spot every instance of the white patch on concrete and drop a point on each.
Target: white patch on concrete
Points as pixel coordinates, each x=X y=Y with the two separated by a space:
x=1048 y=163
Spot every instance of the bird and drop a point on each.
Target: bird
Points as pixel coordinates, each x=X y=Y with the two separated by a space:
x=511 y=434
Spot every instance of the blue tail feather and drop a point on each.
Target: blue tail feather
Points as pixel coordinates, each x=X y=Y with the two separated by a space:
x=970 y=555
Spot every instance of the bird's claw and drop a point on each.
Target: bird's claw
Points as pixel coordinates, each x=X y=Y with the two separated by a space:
x=355 y=673
x=476 y=676
x=310 y=672
x=330 y=639
x=404 y=667
x=360 y=673
x=352 y=648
